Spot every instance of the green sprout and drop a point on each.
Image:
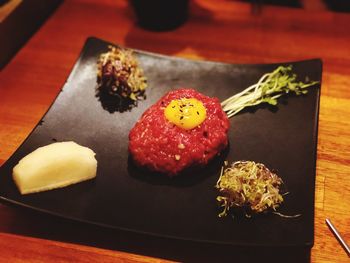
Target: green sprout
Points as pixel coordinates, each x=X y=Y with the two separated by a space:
x=268 y=89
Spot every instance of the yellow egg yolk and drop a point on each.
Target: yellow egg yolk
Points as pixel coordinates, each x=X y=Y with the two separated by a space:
x=185 y=113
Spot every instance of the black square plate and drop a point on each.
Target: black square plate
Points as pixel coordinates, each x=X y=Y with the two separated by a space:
x=123 y=197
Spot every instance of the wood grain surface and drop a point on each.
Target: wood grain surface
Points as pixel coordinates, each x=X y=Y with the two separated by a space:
x=225 y=31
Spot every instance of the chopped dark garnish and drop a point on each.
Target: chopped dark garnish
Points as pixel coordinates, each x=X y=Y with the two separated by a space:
x=120 y=76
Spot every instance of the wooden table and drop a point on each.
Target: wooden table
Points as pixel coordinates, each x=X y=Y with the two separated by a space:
x=225 y=31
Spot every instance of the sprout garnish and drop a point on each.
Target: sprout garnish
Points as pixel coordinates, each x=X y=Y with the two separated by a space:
x=249 y=186
x=268 y=89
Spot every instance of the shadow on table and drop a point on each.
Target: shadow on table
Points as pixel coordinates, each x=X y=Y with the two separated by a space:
x=39 y=225
x=332 y=5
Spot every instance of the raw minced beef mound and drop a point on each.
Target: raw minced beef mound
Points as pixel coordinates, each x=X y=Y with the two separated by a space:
x=159 y=145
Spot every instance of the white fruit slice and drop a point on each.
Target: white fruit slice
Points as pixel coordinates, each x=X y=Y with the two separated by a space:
x=53 y=166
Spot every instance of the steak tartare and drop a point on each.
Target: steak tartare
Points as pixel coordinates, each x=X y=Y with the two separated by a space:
x=163 y=142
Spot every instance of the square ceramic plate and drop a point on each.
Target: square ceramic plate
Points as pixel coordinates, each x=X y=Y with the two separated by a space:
x=124 y=197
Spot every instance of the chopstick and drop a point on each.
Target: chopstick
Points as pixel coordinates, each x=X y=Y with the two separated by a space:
x=338 y=236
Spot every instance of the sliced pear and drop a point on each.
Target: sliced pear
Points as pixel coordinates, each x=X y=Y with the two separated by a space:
x=54 y=166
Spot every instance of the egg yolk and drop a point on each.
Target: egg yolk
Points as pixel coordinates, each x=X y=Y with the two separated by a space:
x=185 y=113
